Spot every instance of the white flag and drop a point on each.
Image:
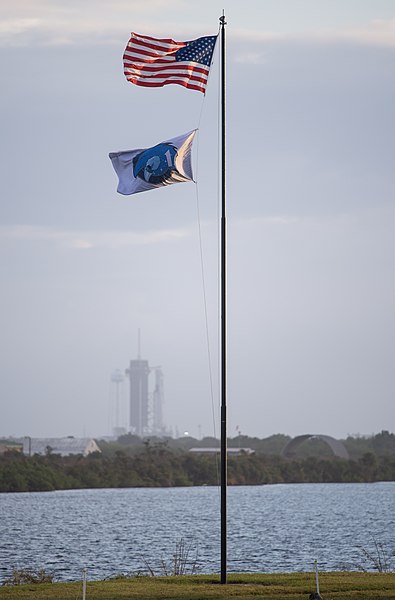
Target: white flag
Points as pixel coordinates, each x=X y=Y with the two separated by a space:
x=145 y=169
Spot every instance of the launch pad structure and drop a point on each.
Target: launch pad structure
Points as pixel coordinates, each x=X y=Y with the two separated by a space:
x=145 y=408
x=146 y=399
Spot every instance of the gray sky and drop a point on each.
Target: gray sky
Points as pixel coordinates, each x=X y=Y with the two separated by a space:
x=311 y=96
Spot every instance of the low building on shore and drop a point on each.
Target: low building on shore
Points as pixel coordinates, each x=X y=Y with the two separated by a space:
x=7 y=447
x=63 y=446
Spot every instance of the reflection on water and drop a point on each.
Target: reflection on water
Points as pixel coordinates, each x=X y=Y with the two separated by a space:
x=271 y=528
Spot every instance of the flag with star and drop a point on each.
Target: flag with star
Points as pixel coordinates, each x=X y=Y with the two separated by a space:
x=145 y=169
x=153 y=62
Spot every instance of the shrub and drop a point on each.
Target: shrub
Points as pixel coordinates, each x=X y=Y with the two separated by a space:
x=23 y=576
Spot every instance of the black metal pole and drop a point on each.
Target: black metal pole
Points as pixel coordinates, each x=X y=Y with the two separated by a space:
x=223 y=320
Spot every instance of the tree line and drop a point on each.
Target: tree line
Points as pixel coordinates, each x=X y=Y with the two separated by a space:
x=380 y=444
x=156 y=464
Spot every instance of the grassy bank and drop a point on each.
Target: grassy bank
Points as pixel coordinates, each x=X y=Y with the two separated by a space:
x=288 y=586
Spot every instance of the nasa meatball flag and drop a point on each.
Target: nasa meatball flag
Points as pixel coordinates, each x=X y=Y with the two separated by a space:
x=145 y=169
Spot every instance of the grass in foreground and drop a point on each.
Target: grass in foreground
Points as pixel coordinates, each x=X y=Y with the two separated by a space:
x=287 y=586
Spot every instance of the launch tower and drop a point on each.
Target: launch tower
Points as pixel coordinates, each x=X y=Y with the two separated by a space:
x=145 y=413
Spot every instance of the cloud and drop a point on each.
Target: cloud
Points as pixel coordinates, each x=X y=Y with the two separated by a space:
x=84 y=240
x=256 y=45
x=251 y=58
x=377 y=33
x=16 y=26
x=52 y=22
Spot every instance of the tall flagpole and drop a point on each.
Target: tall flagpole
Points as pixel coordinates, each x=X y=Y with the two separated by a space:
x=223 y=319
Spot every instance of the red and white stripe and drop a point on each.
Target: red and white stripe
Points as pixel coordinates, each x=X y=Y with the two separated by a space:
x=150 y=62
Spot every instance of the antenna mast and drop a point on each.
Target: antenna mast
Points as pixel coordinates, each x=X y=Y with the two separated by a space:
x=138 y=344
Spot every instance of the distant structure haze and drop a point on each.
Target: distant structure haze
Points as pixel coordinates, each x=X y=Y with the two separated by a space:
x=145 y=409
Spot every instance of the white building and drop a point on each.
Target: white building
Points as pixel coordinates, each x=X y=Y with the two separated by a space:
x=62 y=446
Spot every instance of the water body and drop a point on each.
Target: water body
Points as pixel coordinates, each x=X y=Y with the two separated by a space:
x=272 y=528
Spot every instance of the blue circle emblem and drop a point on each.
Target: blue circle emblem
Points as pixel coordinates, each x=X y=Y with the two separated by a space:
x=155 y=165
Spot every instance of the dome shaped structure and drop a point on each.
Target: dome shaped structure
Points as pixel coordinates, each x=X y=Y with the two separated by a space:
x=336 y=446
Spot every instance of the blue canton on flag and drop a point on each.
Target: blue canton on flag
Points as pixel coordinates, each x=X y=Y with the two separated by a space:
x=200 y=50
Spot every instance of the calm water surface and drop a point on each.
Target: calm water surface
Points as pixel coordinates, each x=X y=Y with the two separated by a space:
x=271 y=528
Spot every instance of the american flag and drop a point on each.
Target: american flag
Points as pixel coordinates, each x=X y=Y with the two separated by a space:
x=155 y=62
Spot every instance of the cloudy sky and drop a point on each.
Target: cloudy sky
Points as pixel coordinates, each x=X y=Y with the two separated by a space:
x=311 y=218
